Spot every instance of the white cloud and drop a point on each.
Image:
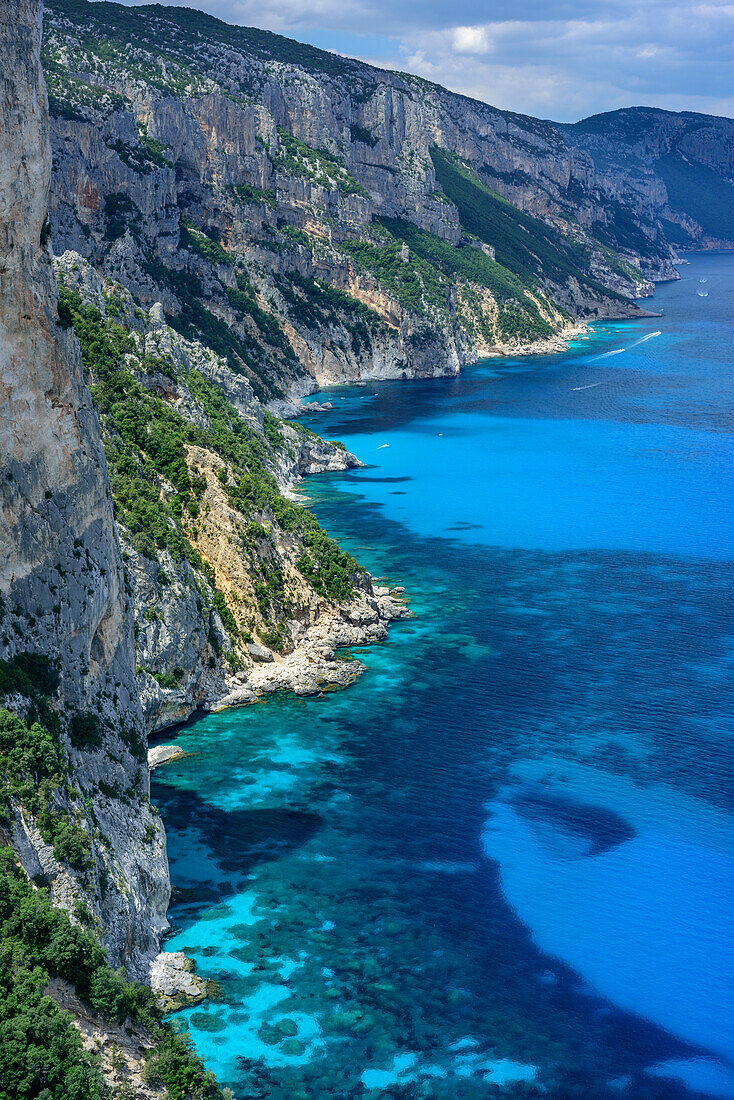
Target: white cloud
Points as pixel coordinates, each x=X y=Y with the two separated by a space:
x=542 y=57
x=471 y=40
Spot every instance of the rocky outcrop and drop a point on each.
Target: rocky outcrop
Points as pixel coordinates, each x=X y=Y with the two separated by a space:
x=121 y=1049
x=61 y=577
x=229 y=584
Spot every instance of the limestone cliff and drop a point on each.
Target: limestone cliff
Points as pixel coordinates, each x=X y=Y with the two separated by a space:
x=671 y=169
x=312 y=218
x=235 y=589
x=62 y=586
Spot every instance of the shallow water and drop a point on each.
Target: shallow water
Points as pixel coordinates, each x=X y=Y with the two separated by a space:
x=503 y=861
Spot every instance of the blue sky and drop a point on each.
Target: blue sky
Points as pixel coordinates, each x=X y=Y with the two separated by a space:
x=554 y=59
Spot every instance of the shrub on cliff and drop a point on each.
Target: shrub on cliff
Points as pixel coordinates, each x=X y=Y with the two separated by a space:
x=41 y=1053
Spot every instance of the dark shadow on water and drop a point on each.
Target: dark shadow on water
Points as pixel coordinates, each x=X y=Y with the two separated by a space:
x=237 y=840
x=601 y=827
x=382 y=480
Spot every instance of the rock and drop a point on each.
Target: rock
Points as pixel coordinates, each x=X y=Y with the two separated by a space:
x=173 y=980
x=238 y=697
x=362 y=614
x=259 y=652
x=61 y=555
x=294 y=1048
x=287 y=1027
x=163 y=754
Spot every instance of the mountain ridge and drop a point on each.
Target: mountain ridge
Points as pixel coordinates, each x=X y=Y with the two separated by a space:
x=281 y=164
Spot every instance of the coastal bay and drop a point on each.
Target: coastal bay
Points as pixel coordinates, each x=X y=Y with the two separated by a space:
x=385 y=881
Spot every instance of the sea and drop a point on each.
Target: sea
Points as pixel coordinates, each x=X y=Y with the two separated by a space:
x=501 y=863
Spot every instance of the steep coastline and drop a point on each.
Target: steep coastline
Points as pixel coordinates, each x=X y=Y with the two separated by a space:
x=85 y=857
x=316 y=220
x=225 y=249
x=61 y=574
x=234 y=589
x=84 y=885
x=372 y=909
x=671 y=167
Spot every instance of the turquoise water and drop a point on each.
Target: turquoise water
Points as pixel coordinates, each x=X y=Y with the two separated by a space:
x=502 y=862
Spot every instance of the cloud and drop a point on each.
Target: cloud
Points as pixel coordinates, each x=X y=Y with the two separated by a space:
x=471 y=40
x=544 y=58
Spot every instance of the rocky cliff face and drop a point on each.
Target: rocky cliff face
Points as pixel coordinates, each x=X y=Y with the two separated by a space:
x=312 y=218
x=61 y=578
x=225 y=573
x=672 y=170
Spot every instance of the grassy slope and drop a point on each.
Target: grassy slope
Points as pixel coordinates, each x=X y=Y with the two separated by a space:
x=145 y=441
x=527 y=247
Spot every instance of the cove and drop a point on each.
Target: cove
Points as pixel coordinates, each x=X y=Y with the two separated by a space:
x=500 y=861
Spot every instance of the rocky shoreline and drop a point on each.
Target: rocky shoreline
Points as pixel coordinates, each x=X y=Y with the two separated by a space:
x=312 y=667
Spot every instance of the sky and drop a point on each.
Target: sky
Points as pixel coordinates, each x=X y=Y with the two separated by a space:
x=551 y=58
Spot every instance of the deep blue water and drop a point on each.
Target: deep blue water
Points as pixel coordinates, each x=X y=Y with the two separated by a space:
x=501 y=863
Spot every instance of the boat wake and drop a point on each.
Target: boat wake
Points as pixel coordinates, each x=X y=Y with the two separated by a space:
x=634 y=344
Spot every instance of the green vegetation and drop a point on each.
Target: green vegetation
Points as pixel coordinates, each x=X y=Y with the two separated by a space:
x=358 y=133
x=41 y=1054
x=694 y=189
x=114 y=28
x=143 y=157
x=85 y=731
x=155 y=149
x=416 y=284
x=423 y=281
x=72 y=98
x=525 y=246
x=29 y=674
x=519 y=316
x=244 y=354
x=316 y=305
x=621 y=230
x=33 y=765
x=243 y=301
x=331 y=570
x=700 y=192
x=293 y=233
x=273 y=434
x=145 y=433
x=295 y=158
x=32 y=769
x=169 y=679
x=144 y=438
x=205 y=242
x=120 y=214
x=145 y=442
x=254 y=196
